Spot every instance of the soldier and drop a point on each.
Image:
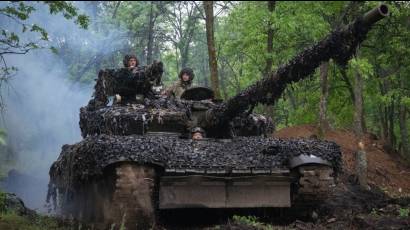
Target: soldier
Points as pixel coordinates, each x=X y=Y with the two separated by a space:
x=185 y=82
x=130 y=62
x=197 y=133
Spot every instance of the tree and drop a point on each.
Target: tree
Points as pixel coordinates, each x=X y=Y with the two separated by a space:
x=14 y=17
x=324 y=89
x=183 y=17
x=335 y=21
x=269 y=45
x=213 y=65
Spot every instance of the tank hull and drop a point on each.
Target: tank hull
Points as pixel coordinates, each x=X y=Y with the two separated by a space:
x=198 y=191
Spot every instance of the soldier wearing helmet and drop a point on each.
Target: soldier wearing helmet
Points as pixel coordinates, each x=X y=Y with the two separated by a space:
x=185 y=82
x=130 y=61
x=197 y=133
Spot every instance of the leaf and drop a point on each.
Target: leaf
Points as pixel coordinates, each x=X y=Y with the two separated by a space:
x=3 y=135
x=54 y=50
x=43 y=32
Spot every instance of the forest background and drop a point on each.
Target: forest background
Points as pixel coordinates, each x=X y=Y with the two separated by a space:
x=229 y=45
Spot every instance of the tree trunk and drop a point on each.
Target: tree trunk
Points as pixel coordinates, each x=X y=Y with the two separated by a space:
x=392 y=136
x=117 y=5
x=268 y=109
x=383 y=125
x=176 y=57
x=213 y=66
x=184 y=55
x=222 y=74
x=269 y=48
x=405 y=146
x=359 y=126
x=205 y=71
x=383 y=113
x=348 y=84
x=324 y=86
x=292 y=99
x=150 y=44
x=361 y=168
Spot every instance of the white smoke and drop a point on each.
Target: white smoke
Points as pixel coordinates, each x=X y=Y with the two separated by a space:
x=42 y=105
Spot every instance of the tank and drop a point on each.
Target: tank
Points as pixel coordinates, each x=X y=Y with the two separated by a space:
x=137 y=157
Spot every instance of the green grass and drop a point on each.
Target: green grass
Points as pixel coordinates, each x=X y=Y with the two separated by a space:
x=13 y=221
x=251 y=221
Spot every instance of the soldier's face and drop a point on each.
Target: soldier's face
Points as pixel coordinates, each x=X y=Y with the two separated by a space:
x=132 y=63
x=185 y=77
x=197 y=136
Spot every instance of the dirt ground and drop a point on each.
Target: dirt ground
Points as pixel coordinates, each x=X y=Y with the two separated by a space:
x=384 y=204
x=387 y=171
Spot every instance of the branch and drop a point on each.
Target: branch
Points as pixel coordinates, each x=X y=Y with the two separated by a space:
x=15 y=52
x=115 y=9
x=199 y=10
x=253 y=60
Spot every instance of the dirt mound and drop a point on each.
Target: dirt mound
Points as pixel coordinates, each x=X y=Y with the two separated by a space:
x=385 y=170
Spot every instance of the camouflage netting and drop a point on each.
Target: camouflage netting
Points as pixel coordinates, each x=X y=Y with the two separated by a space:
x=172 y=115
x=132 y=118
x=85 y=161
x=339 y=45
x=110 y=81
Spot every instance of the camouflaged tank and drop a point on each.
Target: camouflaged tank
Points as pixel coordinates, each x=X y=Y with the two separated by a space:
x=137 y=157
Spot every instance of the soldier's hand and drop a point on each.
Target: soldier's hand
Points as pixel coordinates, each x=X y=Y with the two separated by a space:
x=117 y=98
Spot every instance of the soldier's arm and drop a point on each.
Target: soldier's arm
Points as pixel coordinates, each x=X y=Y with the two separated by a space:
x=169 y=90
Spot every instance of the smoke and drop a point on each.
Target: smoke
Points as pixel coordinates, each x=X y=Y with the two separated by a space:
x=42 y=105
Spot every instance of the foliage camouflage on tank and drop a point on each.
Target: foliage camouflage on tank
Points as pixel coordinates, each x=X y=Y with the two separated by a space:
x=139 y=132
x=86 y=160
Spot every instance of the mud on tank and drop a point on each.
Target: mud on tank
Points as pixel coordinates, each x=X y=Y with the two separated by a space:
x=136 y=160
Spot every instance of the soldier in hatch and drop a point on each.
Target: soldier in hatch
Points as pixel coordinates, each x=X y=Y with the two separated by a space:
x=130 y=62
x=185 y=82
x=197 y=133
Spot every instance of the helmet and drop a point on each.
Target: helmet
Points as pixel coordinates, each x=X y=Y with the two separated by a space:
x=129 y=57
x=197 y=133
x=197 y=130
x=187 y=71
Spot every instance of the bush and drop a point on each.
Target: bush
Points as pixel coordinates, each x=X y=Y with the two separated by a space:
x=251 y=221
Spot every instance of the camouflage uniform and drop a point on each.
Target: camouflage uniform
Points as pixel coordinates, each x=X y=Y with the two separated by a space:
x=179 y=87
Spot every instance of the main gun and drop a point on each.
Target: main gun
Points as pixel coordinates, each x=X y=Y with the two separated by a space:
x=340 y=45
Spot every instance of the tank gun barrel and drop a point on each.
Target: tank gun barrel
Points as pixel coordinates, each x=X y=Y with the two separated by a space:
x=376 y=14
x=339 y=45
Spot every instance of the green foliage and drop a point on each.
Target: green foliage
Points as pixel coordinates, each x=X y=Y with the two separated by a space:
x=3 y=135
x=11 y=220
x=251 y=221
x=68 y=11
x=374 y=212
x=404 y=212
x=241 y=37
x=2 y=202
x=21 y=11
x=12 y=40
